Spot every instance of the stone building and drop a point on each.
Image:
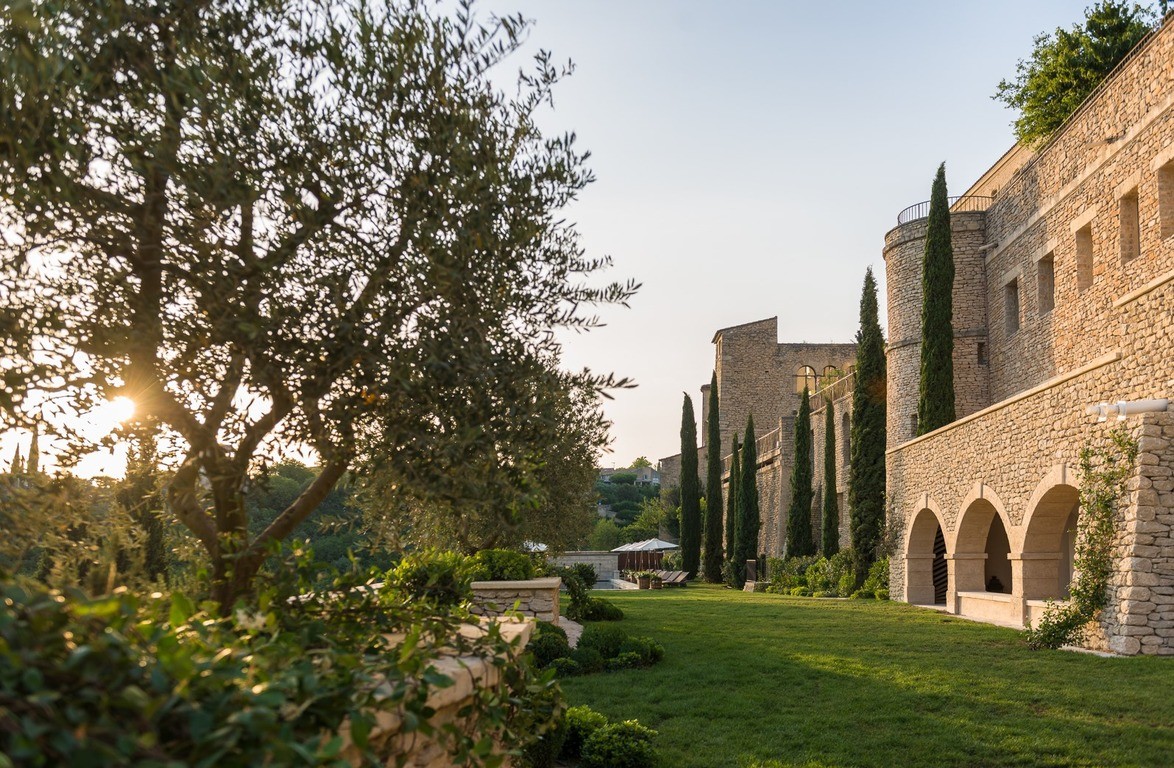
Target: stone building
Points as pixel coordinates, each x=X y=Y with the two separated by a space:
x=1064 y=298
x=758 y=375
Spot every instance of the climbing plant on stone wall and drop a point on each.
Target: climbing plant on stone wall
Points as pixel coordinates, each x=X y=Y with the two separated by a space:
x=1105 y=470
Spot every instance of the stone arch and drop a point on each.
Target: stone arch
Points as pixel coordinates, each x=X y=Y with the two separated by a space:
x=1049 y=535
x=982 y=544
x=926 y=570
x=805 y=377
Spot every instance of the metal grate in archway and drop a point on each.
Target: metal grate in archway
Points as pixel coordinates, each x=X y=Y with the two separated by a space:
x=941 y=572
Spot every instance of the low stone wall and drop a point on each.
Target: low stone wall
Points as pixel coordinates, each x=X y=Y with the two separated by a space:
x=606 y=564
x=469 y=675
x=538 y=598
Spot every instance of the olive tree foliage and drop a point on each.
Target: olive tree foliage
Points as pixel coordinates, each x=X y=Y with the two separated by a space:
x=274 y=222
x=1066 y=66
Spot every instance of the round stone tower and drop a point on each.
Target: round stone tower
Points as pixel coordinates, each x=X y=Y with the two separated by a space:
x=904 y=253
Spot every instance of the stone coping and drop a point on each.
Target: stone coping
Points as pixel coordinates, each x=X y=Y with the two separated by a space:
x=549 y=582
x=467 y=673
x=1055 y=381
x=995 y=597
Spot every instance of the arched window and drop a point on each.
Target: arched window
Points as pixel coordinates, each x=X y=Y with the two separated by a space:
x=805 y=378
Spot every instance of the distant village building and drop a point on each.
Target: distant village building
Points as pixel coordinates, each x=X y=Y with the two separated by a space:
x=644 y=475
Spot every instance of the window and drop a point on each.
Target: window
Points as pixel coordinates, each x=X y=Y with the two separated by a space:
x=830 y=374
x=805 y=378
x=913 y=425
x=1166 y=199
x=846 y=438
x=1045 y=283
x=1130 y=222
x=982 y=356
x=1011 y=305
x=1084 y=257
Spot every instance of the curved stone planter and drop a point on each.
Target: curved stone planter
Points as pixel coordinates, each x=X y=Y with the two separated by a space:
x=538 y=598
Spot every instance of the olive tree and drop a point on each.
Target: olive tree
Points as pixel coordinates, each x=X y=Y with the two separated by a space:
x=289 y=222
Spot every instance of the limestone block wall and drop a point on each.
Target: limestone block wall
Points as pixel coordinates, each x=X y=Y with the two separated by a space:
x=538 y=598
x=1069 y=207
x=470 y=674
x=904 y=254
x=748 y=379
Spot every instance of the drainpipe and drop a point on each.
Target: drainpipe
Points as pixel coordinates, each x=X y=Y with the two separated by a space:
x=1122 y=409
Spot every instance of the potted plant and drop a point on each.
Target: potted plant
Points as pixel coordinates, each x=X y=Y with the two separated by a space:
x=657 y=582
x=644 y=579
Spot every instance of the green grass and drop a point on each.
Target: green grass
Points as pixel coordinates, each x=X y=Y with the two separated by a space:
x=770 y=681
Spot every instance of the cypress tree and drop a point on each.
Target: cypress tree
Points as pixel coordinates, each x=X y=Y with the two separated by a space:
x=712 y=555
x=935 y=405
x=690 y=492
x=866 y=476
x=799 y=540
x=831 y=510
x=34 y=463
x=732 y=508
x=746 y=535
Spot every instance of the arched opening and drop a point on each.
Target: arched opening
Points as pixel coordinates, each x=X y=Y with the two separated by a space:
x=982 y=550
x=805 y=378
x=926 y=570
x=1049 y=544
x=830 y=374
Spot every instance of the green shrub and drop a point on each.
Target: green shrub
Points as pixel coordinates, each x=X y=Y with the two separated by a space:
x=442 y=578
x=578 y=590
x=548 y=647
x=605 y=638
x=625 y=661
x=646 y=648
x=547 y=628
x=581 y=723
x=816 y=577
x=672 y=561
x=599 y=609
x=800 y=592
x=876 y=585
x=787 y=574
x=841 y=572
x=128 y=680
x=620 y=745
x=544 y=752
x=567 y=667
x=502 y=565
x=589 y=660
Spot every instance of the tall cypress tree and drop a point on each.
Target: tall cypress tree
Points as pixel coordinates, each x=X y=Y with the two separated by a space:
x=733 y=500
x=712 y=553
x=866 y=476
x=935 y=405
x=746 y=536
x=831 y=510
x=34 y=463
x=799 y=540
x=690 y=493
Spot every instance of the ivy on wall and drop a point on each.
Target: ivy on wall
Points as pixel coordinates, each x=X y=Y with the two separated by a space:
x=1105 y=471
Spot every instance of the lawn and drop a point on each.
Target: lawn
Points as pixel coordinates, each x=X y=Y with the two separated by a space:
x=769 y=681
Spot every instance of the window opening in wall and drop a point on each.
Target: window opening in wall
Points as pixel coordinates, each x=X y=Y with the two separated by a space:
x=1084 y=257
x=913 y=425
x=1045 y=281
x=1011 y=305
x=1130 y=226
x=982 y=357
x=846 y=438
x=1166 y=199
x=805 y=377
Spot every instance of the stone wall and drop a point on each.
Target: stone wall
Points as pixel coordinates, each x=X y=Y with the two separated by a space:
x=1079 y=300
x=538 y=598
x=842 y=413
x=904 y=254
x=470 y=674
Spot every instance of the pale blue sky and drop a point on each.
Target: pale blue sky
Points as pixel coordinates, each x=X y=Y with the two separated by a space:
x=751 y=156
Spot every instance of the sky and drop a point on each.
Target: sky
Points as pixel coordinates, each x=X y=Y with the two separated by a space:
x=751 y=156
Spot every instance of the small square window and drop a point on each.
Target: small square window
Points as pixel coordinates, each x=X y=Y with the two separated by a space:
x=1045 y=280
x=913 y=425
x=1011 y=305
x=982 y=354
